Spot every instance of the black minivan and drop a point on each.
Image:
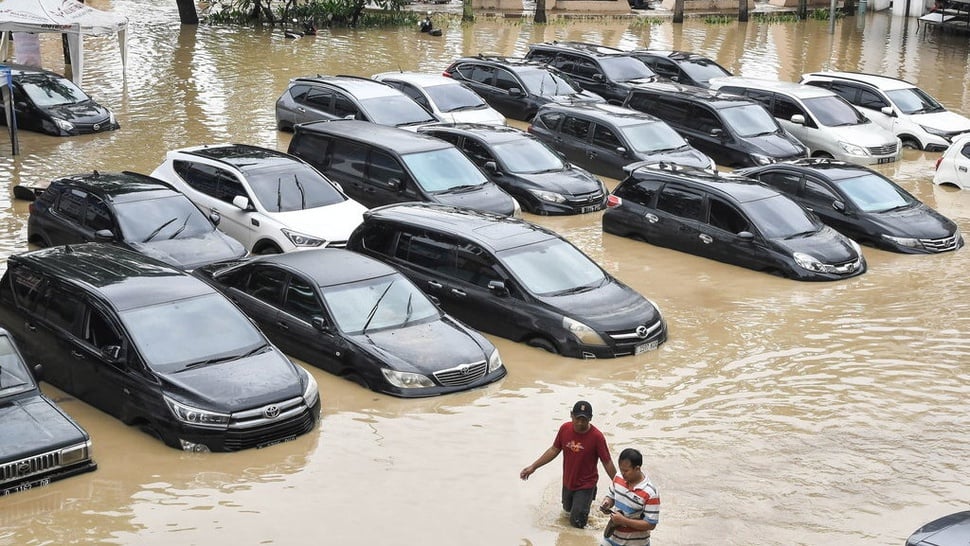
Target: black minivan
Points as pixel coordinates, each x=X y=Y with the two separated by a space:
x=378 y=165
x=513 y=279
x=155 y=347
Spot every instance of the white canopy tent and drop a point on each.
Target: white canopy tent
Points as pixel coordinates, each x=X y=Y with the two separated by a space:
x=69 y=17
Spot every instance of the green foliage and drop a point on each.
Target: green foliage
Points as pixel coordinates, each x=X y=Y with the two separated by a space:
x=718 y=19
x=321 y=12
x=648 y=21
x=822 y=14
x=770 y=18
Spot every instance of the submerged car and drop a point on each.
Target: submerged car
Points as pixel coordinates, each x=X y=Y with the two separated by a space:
x=50 y=103
x=953 y=167
x=155 y=347
x=862 y=204
x=731 y=219
x=132 y=210
x=360 y=319
x=448 y=99
x=681 y=66
x=39 y=443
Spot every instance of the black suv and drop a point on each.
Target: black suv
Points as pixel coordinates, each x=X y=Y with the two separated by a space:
x=607 y=71
x=347 y=97
x=513 y=279
x=517 y=87
x=377 y=165
x=155 y=347
x=734 y=131
x=131 y=210
x=731 y=219
x=681 y=66
x=521 y=164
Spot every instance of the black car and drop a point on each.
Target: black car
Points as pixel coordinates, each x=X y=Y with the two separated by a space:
x=605 y=138
x=377 y=165
x=527 y=168
x=46 y=102
x=360 y=319
x=607 y=71
x=513 y=279
x=862 y=204
x=39 y=443
x=155 y=347
x=132 y=210
x=681 y=66
x=517 y=87
x=951 y=530
x=731 y=219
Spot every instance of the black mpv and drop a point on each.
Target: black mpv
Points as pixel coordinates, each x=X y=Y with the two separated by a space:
x=607 y=71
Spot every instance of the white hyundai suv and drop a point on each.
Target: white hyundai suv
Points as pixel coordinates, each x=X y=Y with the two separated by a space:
x=269 y=201
x=953 y=167
x=912 y=114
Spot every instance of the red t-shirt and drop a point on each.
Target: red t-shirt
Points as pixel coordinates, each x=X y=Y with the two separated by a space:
x=579 y=455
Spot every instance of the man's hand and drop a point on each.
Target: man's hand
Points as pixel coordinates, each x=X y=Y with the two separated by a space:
x=526 y=472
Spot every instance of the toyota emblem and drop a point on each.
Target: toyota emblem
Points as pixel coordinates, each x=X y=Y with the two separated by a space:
x=271 y=412
x=641 y=331
x=464 y=369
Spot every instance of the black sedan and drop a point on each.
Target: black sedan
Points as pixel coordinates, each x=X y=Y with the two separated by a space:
x=358 y=318
x=50 y=103
x=39 y=443
x=862 y=204
x=526 y=168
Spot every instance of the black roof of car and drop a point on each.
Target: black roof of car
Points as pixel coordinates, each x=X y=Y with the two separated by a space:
x=741 y=189
x=616 y=115
x=20 y=70
x=674 y=55
x=493 y=134
x=242 y=156
x=491 y=231
x=357 y=86
x=711 y=96
x=329 y=266
x=390 y=138
x=594 y=50
x=117 y=186
x=511 y=62
x=125 y=279
x=832 y=169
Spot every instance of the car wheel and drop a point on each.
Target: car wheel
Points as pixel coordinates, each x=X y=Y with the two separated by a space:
x=354 y=378
x=542 y=343
x=911 y=143
x=267 y=248
x=822 y=155
x=40 y=241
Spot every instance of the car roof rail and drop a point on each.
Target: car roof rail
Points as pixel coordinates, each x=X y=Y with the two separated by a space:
x=588 y=47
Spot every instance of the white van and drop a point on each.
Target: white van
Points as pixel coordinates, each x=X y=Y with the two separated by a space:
x=912 y=114
x=822 y=120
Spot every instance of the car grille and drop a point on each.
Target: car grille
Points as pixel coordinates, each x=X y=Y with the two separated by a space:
x=846 y=268
x=462 y=375
x=592 y=198
x=253 y=428
x=889 y=149
x=625 y=341
x=940 y=245
x=29 y=466
x=93 y=127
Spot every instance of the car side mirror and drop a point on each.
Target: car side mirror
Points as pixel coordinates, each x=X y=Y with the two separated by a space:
x=394 y=184
x=888 y=110
x=320 y=324
x=215 y=218
x=839 y=206
x=717 y=132
x=491 y=166
x=20 y=105
x=38 y=371
x=104 y=236
x=621 y=150
x=111 y=353
x=498 y=288
x=798 y=119
x=242 y=202
x=746 y=236
x=598 y=77
x=515 y=92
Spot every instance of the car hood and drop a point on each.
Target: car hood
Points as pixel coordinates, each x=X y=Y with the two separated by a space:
x=32 y=425
x=827 y=246
x=613 y=306
x=488 y=197
x=947 y=121
x=921 y=222
x=867 y=135
x=239 y=384
x=332 y=222
x=480 y=115
x=407 y=349
x=569 y=181
x=779 y=145
x=577 y=98
x=689 y=157
x=80 y=112
x=191 y=252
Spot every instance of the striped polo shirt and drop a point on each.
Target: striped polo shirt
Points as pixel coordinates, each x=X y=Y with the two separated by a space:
x=641 y=501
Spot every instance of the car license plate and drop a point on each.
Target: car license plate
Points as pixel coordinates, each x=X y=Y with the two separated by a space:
x=277 y=441
x=644 y=347
x=589 y=208
x=890 y=159
x=41 y=482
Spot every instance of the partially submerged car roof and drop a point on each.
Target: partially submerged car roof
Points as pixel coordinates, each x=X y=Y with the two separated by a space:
x=329 y=266
x=391 y=138
x=116 y=186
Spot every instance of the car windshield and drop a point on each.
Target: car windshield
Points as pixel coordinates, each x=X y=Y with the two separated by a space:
x=395 y=110
x=173 y=217
x=454 y=98
x=834 y=111
x=573 y=271
x=547 y=84
x=873 y=193
x=748 y=120
x=702 y=70
x=528 y=156
x=442 y=170
x=655 y=136
x=47 y=91
x=178 y=334
x=621 y=69
x=914 y=100
x=292 y=186
x=376 y=304
x=14 y=377
x=778 y=217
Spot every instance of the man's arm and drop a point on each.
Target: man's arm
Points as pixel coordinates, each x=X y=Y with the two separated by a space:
x=609 y=468
x=635 y=524
x=546 y=457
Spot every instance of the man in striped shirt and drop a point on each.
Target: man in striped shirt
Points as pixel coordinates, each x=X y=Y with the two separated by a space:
x=634 y=504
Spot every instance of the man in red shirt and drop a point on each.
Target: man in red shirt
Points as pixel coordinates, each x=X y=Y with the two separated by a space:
x=582 y=445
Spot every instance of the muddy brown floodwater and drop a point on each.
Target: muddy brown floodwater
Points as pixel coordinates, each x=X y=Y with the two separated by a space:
x=778 y=413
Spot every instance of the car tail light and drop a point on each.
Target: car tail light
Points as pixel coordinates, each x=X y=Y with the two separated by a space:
x=613 y=201
x=446 y=74
x=31 y=208
x=937 y=166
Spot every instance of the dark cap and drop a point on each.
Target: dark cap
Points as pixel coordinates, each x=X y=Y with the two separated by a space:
x=583 y=409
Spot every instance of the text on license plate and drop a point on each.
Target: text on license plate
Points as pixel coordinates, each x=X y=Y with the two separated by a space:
x=644 y=347
x=889 y=159
x=589 y=208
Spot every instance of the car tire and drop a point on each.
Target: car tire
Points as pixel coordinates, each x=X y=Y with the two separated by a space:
x=542 y=343
x=910 y=143
x=266 y=248
x=823 y=155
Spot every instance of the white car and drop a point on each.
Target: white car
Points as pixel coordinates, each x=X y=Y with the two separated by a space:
x=269 y=201
x=953 y=167
x=912 y=114
x=449 y=100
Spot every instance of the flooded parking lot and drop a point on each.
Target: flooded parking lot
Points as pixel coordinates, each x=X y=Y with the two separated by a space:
x=777 y=413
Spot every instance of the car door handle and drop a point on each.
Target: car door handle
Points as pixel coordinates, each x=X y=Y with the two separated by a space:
x=30 y=326
x=962 y=169
x=457 y=292
x=282 y=325
x=706 y=239
x=652 y=218
x=301 y=109
x=77 y=354
x=434 y=284
x=809 y=209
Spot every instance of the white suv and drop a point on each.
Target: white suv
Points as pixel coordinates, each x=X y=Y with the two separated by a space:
x=953 y=167
x=912 y=114
x=823 y=121
x=269 y=201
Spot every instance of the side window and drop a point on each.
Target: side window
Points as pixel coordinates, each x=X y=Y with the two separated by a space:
x=60 y=308
x=787 y=183
x=429 y=251
x=681 y=203
x=605 y=138
x=27 y=287
x=343 y=107
x=313 y=148
x=785 y=108
x=643 y=102
x=505 y=80
x=846 y=91
x=477 y=152
x=670 y=109
x=71 y=205
x=576 y=127
x=541 y=56
x=379 y=238
x=349 y=158
x=551 y=119
x=301 y=300
x=965 y=152
x=97 y=216
x=817 y=191
x=229 y=186
x=319 y=99
x=266 y=284
x=703 y=120
x=871 y=99
x=764 y=97
x=416 y=95
x=665 y=68
x=384 y=168
x=476 y=73
x=98 y=330
x=298 y=92
x=726 y=217
x=585 y=68
x=210 y=180
x=641 y=192
x=448 y=137
x=475 y=266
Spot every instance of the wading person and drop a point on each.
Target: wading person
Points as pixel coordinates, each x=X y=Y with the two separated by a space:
x=582 y=445
x=633 y=504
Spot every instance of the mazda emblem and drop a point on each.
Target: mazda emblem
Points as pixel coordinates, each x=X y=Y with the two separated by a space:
x=271 y=412
x=641 y=331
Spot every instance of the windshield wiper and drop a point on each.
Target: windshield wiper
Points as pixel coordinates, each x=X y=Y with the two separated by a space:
x=897 y=207
x=181 y=228
x=159 y=229
x=216 y=360
x=302 y=193
x=279 y=194
x=373 y=311
x=461 y=188
x=574 y=290
x=407 y=314
x=800 y=234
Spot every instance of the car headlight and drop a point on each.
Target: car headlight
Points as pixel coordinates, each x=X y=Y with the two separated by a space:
x=808 y=262
x=549 y=196
x=760 y=159
x=407 y=380
x=908 y=242
x=583 y=333
x=111 y=118
x=311 y=394
x=302 y=239
x=516 y=208
x=494 y=361
x=63 y=125
x=197 y=417
x=75 y=453
x=853 y=149
x=935 y=131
